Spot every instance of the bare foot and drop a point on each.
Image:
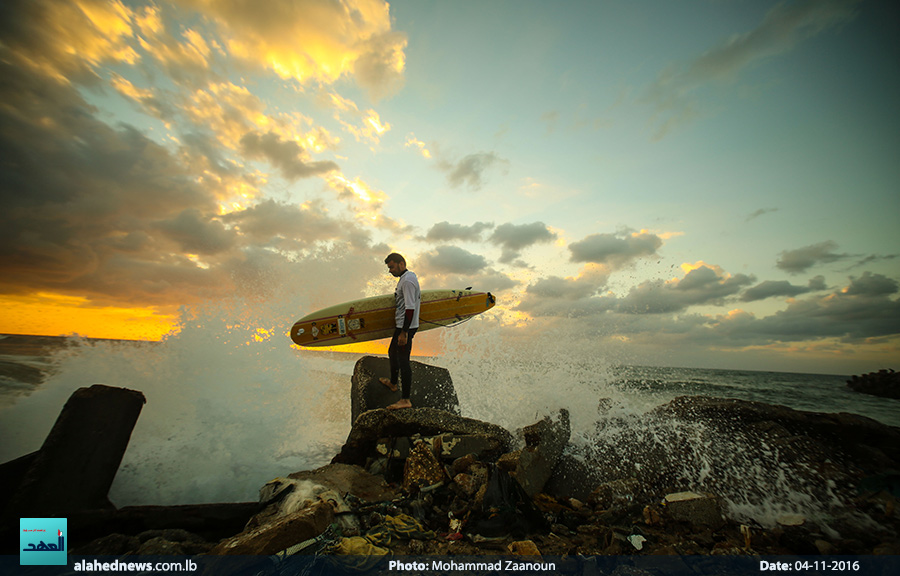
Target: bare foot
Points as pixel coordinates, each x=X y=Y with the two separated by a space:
x=392 y=387
x=400 y=404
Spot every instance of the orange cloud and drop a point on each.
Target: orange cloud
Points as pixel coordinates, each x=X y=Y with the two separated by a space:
x=314 y=40
x=688 y=267
x=356 y=190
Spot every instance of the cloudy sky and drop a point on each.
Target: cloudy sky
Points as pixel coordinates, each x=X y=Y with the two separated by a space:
x=691 y=183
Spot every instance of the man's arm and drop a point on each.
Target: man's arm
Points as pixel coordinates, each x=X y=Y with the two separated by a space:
x=407 y=319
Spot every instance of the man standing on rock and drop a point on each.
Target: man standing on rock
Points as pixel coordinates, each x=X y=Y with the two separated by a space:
x=407 y=297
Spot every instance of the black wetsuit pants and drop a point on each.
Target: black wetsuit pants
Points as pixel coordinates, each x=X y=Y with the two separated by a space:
x=399 y=357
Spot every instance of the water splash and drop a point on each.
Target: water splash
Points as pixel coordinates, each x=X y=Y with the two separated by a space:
x=619 y=430
x=230 y=403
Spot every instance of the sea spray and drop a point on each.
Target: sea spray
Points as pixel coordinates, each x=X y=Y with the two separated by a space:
x=230 y=403
x=503 y=378
x=619 y=430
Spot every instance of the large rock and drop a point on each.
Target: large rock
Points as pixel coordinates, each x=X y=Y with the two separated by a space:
x=696 y=509
x=11 y=475
x=544 y=443
x=885 y=383
x=731 y=439
x=78 y=461
x=857 y=440
x=373 y=425
x=825 y=456
x=432 y=387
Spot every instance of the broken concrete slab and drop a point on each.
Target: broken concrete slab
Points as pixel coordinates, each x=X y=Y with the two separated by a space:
x=573 y=477
x=544 y=444
x=78 y=461
x=432 y=387
x=375 y=424
x=551 y=433
x=696 y=509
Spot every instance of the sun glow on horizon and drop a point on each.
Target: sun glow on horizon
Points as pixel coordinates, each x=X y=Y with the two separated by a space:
x=51 y=314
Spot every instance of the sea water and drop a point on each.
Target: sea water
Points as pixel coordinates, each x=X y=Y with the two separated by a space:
x=231 y=405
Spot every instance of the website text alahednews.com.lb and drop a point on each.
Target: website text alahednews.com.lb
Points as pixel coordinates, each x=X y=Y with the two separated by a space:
x=130 y=566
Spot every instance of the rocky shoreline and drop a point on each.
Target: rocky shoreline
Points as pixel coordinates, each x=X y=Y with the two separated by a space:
x=884 y=383
x=428 y=481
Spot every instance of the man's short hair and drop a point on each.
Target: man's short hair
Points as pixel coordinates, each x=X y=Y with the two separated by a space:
x=394 y=257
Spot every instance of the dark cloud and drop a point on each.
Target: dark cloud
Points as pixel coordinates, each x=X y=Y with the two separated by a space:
x=870 y=284
x=701 y=286
x=615 y=250
x=205 y=151
x=290 y=226
x=108 y=214
x=445 y=232
x=802 y=259
x=453 y=267
x=453 y=260
x=568 y=297
x=60 y=38
x=81 y=198
x=563 y=288
x=773 y=288
x=848 y=317
x=198 y=234
x=471 y=169
x=656 y=314
x=286 y=155
x=875 y=258
x=513 y=238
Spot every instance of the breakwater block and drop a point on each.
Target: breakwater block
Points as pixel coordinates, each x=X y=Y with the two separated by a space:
x=78 y=461
x=432 y=387
x=375 y=425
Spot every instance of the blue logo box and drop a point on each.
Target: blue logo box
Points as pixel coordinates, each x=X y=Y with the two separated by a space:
x=42 y=541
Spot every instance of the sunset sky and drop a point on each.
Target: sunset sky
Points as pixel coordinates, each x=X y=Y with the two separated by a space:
x=708 y=183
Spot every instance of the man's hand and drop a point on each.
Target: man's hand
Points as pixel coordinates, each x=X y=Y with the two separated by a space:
x=401 y=339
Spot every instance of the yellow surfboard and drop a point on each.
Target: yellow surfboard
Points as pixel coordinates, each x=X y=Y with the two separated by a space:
x=373 y=318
